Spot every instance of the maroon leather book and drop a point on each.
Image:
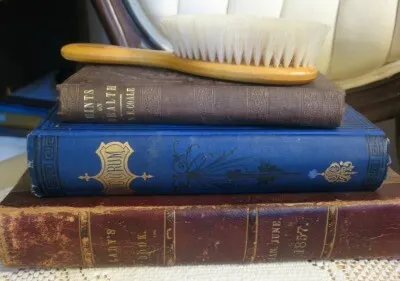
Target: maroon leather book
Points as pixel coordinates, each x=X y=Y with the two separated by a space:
x=133 y=94
x=203 y=229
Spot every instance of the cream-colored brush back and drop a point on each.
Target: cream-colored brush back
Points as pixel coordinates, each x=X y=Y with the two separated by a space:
x=362 y=46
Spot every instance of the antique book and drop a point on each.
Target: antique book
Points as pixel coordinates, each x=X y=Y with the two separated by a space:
x=19 y=121
x=93 y=159
x=17 y=113
x=86 y=231
x=128 y=94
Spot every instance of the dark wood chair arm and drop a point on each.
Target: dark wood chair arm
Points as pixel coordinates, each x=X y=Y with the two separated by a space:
x=121 y=28
x=378 y=101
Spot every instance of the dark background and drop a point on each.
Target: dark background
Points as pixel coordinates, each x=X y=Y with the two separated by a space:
x=32 y=33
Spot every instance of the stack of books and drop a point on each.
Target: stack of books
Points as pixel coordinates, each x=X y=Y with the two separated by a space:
x=143 y=166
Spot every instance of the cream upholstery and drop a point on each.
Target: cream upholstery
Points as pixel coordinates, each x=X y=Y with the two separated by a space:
x=363 y=45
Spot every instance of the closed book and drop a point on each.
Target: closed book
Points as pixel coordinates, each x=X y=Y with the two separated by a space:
x=93 y=159
x=128 y=94
x=98 y=231
x=19 y=121
x=21 y=116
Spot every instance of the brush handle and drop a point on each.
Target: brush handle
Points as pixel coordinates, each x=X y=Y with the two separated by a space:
x=110 y=54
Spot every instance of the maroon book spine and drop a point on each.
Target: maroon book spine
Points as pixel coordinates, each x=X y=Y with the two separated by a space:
x=166 y=236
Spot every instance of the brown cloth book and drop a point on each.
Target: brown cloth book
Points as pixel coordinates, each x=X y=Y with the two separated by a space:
x=130 y=94
x=204 y=229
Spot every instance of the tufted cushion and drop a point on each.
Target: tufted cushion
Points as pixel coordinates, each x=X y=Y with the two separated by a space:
x=363 y=45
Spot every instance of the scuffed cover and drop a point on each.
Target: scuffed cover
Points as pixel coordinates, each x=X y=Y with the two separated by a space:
x=130 y=94
x=93 y=159
x=178 y=230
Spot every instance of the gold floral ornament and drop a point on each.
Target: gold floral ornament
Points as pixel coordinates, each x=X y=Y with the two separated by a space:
x=336 y=172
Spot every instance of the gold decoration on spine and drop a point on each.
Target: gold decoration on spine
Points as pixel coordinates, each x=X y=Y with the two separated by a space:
x=169 y=238
x=330 y=232
x=338 y=172
x=115 y=173
x=250 y=249
x=85 y=239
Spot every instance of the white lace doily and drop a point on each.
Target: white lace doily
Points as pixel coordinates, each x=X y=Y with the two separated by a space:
x=374 y=270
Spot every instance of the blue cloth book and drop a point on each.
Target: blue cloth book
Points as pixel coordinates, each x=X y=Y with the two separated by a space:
x=42 y=89
x=99 y=159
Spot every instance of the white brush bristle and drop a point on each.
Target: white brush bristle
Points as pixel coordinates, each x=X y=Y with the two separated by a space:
x=246 y=40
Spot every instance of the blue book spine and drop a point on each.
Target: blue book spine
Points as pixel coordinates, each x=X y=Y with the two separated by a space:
x=82 y=160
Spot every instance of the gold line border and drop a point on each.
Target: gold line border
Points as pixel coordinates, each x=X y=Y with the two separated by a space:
x=80 y=238
x=90 y=238
x=169 y=237
x=326 y=232
x=247 y=234
x=85 y=239
x=165 y=231
x=256 y=237
x=334 y=231
x=174 y=238
x=4 y=250
x=330 y=228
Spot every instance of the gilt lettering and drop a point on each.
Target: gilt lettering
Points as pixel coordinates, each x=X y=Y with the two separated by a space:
x=130 y=103
x=301 y=239
x=142 y=236
x=88 y=104
x=112 y=247
x=115 y=167
x=142 y=252
x=110 y=107
x=274 y=242
x=110 y=231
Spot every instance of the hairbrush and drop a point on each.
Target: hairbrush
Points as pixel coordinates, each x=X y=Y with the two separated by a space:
x=228 y=47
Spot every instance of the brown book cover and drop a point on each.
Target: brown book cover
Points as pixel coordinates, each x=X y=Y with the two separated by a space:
x=130 y=94
x=178 y=230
